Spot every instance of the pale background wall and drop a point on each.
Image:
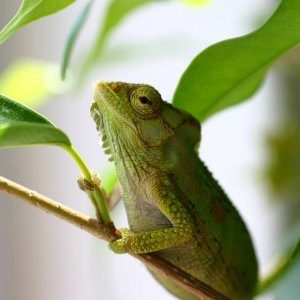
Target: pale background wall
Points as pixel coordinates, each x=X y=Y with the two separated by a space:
x=42 y=257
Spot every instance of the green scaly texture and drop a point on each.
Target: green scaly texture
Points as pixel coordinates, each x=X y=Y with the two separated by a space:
x=174 y=206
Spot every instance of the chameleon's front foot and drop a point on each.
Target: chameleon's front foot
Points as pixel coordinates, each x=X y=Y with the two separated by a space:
x=150 y=241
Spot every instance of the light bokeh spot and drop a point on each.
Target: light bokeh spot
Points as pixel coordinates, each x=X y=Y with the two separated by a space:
x=31 y=82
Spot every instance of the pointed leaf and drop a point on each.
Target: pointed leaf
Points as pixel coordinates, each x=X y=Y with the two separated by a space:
x=12 y=112
x=21 y=126
x=231 y=71
x=30 y=11
x=73 y=36
x=27 y=134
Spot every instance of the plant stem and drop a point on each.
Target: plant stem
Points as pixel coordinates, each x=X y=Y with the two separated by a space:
x=108 y=233
x=79 y=161
x=102 y=231
x=96 y=197
x=101 y=204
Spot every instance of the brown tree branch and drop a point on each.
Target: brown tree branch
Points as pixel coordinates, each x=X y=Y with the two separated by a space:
x=108 y=233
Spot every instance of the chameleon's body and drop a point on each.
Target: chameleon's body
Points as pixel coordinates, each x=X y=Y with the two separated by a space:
x=174 y=205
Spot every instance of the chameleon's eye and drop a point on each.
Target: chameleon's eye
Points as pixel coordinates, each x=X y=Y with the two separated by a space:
x=145 y=100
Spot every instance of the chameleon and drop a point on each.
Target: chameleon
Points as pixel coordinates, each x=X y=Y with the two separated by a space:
x=174 y=206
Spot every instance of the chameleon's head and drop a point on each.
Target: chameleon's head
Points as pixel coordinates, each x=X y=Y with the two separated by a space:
x=134 y=116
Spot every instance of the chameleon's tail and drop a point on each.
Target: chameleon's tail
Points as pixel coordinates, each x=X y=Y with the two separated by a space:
x=282 y=265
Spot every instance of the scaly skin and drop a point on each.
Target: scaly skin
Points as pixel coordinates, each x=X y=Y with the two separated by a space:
x=174 y=205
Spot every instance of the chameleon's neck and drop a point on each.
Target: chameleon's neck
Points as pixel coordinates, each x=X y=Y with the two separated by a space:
x=135 y=164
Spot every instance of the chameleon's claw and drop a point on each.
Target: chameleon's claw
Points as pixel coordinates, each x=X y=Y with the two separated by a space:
x=89 y=186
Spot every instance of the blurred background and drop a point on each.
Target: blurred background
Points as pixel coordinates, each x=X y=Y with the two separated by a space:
x=252 y=149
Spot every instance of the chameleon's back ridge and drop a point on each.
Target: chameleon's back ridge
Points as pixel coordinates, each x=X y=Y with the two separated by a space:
x=174 y=205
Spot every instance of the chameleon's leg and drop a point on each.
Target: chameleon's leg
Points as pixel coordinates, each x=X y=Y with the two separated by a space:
x=164 y=190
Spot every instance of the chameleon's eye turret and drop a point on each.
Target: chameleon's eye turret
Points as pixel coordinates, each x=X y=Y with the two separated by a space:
x=146 y=101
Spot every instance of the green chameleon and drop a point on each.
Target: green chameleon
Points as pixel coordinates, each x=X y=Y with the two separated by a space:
x=174 y=205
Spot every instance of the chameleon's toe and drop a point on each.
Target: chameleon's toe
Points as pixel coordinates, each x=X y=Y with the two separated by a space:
x=125 y=232
x=121 y=245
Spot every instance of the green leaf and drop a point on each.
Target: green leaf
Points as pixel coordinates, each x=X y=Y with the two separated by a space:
x=72 y=38
x=13 y=112
x=30 y=11
x=116 y=12
x=229 y=72
x=27 y=134
x=31 y=81
x=282 y=266
x=21 y=126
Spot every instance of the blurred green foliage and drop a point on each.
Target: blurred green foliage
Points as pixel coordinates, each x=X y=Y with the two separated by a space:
x=72 y=38
x=284 y=168
x=196 y=2
x=283 y=171
x=30 y=81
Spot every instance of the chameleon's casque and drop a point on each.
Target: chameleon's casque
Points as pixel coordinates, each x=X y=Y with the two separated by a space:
x=174 y=205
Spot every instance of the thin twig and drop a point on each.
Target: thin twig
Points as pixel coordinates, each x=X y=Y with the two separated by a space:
x=108 y=233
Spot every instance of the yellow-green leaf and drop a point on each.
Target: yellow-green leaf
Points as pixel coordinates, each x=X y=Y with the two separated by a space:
x=30 y=11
